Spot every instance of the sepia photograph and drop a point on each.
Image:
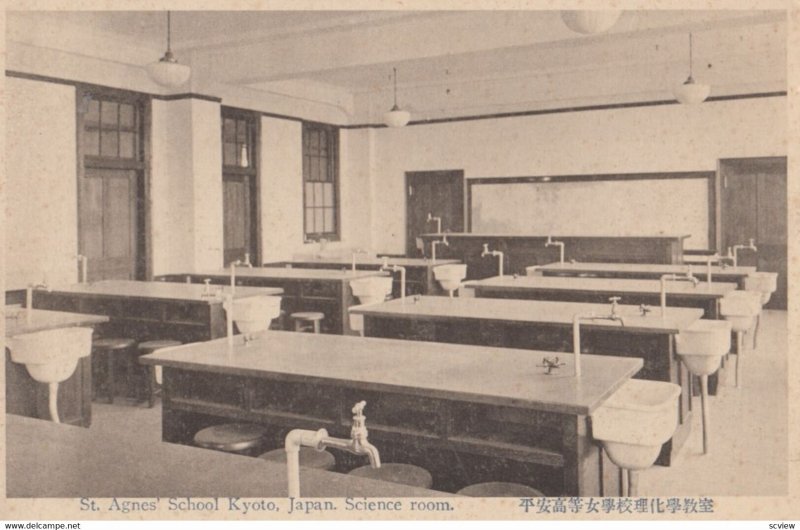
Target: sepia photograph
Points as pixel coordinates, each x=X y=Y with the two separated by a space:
x=348 y=260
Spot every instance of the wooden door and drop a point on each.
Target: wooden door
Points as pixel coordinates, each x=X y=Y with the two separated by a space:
x=753 y=204
x=439 y=193
x=237 y=221
x=108 y=220
x=240 y=131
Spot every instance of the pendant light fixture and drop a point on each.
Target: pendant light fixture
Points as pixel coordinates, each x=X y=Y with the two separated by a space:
x=167 y=71
x=396 y=117
x=691 y=92
x=590 y=22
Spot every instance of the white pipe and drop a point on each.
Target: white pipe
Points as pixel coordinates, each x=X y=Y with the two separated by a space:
x=576 y=343
x=52 y=401
x=294 y=440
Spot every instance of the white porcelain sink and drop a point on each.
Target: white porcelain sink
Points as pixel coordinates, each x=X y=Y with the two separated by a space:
x=450 y=276
x=255 y=313
x=51 y=356
x=636 y=421
x=372 y=289
x=703 y=344
x=763 y=282
x=740 y=308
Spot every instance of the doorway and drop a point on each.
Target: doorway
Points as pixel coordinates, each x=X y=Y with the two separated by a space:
x=438 y=193
x=753 y=205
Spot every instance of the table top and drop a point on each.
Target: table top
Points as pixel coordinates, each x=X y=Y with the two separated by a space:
x=286 y=273
x=17 y=323
x=612 y=286
x=531 y=311
x=374 y=261
x=45 y=459
x=555 y=237
x=478 y=374
x=183 y=292
x=653 y=268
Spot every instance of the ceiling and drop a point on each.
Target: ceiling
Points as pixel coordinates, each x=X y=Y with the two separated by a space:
x=450 y=63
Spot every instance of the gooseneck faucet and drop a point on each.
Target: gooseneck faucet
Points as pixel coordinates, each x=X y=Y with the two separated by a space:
x=443 y=241
x=396 y=268
x=438 y=222
x=319 y=440
x=355 y=252
x=576 y=330
x=737 y=248
x=687 y=277
x=487 y=252
x=560 y=244
x=29 y=297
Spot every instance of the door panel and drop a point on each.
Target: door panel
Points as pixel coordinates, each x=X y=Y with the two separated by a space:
x=108 y=220
x=236 y=200
x=440 y=193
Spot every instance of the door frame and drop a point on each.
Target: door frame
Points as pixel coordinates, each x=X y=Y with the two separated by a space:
x=457 y=175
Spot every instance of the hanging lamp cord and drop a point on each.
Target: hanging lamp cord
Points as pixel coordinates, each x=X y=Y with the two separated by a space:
x=395 y=86
x=169 y=32
x=690 y=55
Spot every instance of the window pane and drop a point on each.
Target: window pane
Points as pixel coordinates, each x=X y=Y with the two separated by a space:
x=328 y=219
x=319 y=225
x=318 y=194
x=309 y=197
x=127 y=144
x=309 y=220
x=91 y=142
x=313 y=147
x=229 y=130
x=108 y=143
x=229 y=154
x=323 y=143
x=327 y=191
x=241 y=131
x=313 y=170
x=108 y=112
x=126 y=115
x=93 y=114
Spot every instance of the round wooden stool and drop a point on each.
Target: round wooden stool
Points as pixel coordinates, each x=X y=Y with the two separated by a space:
x=500 y=489
x=231 y=437
x=398 y=473
x=111 y=347
x=309 y=457
x=307 y=318
x=154 y=372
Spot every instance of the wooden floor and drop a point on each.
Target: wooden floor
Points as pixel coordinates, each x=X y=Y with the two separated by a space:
x=749 y=438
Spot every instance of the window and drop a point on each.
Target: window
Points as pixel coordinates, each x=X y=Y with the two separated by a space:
x=111 y=129
x=240 y=185
x=320 y=181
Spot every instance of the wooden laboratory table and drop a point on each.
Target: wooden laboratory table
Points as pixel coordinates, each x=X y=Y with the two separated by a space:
x=531 y=324
x=147 y=310
x=324 y=290
x=641 y=271
x=47 y=460
x=27 y=397
x=703 y=296
x=467 y=414
x=521 y=251
x=419 y=272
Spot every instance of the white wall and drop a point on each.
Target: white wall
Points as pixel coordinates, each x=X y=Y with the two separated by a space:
x=41 y=184
x=635 y=140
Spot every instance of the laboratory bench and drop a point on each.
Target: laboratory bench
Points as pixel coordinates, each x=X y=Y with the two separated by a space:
x=545 y=325
x=467 y=414
x=28 y=397
x=320 y=290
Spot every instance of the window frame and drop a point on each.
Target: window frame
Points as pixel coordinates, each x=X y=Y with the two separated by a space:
x=332 y=169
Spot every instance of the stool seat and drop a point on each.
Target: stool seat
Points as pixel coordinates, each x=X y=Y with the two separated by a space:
x=154 y=372
x=407 y=474
x=231 y=437
x=500 y=489
x=153 y=345
x=307 y=317
x=309 y=457
x=113 y=343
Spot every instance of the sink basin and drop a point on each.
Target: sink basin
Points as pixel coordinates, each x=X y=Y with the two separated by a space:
x=51 y=355
x=255 y=313
x=762 y=282
x=450 y=276
x=740 y=308
x=702 y=345
x=636 y=421
x=373 y=289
